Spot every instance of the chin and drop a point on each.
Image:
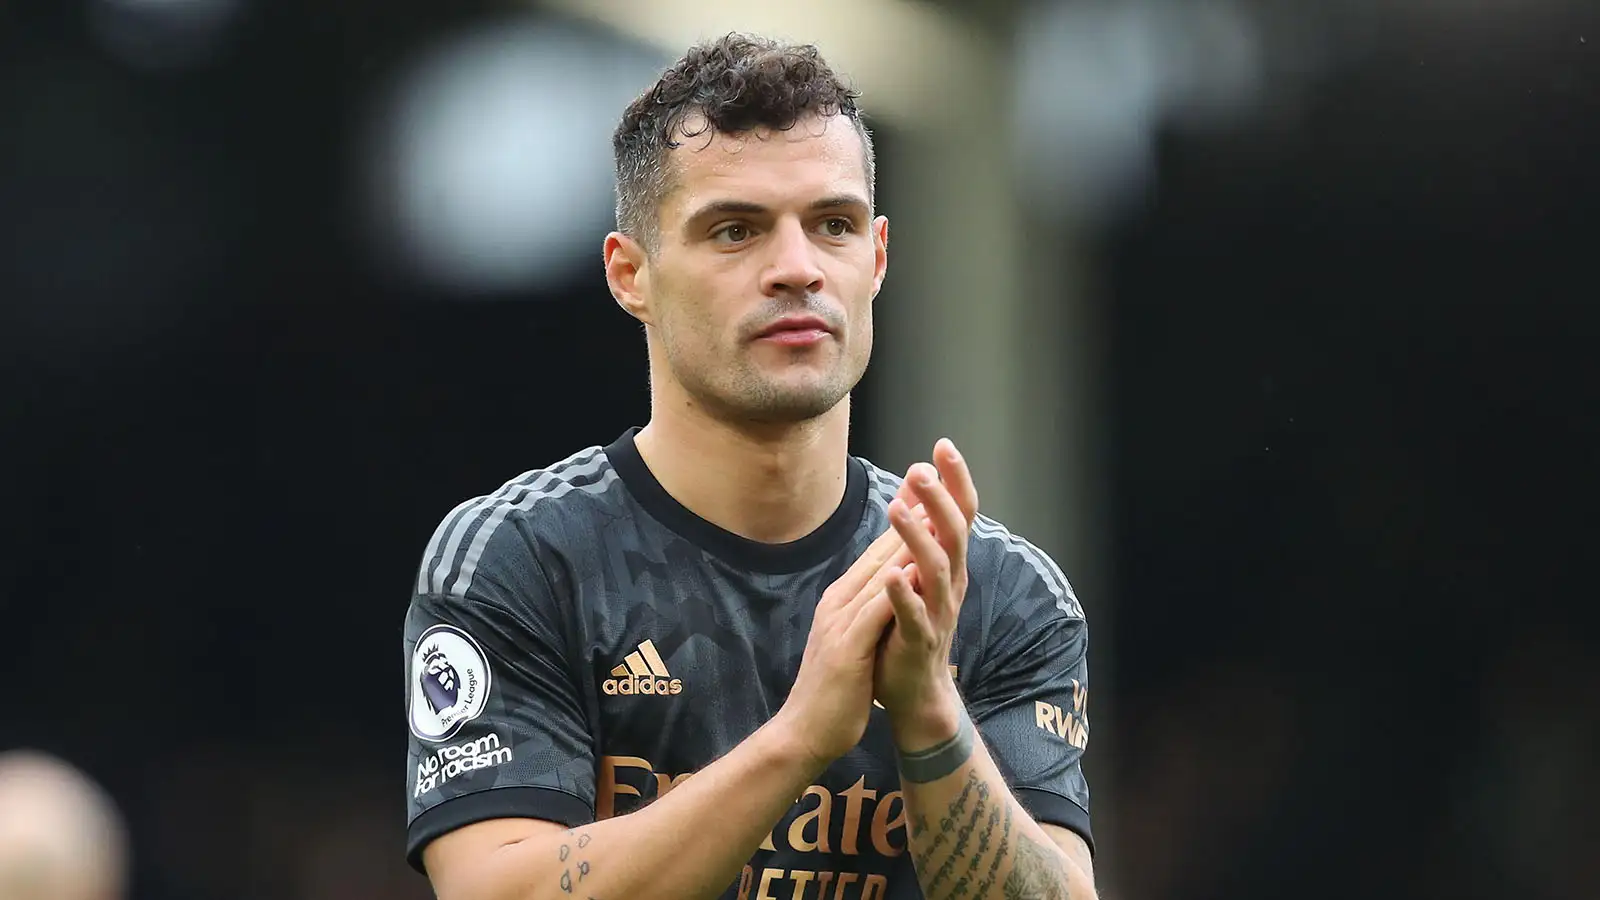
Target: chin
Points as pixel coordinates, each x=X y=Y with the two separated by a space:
x=788 y=404
x=788 y=410
x=819 y=401
x=772 y=394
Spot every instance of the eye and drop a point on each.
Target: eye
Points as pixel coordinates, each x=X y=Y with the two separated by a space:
x=837 y=226
x=732 y=233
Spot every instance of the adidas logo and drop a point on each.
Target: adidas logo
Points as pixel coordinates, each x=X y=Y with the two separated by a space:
x=642 y=672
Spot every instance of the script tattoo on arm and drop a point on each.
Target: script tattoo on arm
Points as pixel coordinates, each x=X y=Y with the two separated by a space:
x=575 y=864
x=977 y=830
x=960 y=856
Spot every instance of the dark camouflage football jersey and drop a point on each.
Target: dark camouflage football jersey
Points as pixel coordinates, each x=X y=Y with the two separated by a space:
x=579 y=642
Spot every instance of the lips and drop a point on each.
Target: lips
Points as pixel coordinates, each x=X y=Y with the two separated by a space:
x=795 y=324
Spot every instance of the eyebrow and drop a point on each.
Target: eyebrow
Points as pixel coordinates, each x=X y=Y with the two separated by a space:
x=747 y=208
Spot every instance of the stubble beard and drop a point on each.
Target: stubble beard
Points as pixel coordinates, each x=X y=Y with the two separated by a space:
x=747 y=394
x=741 y=392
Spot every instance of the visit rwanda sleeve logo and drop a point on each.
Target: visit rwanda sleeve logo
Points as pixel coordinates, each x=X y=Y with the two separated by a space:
x=449 y=683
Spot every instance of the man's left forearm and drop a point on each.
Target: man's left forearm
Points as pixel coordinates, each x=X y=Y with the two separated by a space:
x=969 y=837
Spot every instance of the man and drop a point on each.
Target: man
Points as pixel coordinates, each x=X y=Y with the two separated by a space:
x=61 y=837
x=721 y=657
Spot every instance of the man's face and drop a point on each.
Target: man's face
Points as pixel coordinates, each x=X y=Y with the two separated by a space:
x=761 y=287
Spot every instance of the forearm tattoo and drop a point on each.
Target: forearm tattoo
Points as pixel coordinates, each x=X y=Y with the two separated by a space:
x=575 y=863
x=961 y=855
x=1036 y=874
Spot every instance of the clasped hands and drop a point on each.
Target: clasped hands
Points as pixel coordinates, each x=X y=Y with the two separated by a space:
x=883 y=630
x=925 y=580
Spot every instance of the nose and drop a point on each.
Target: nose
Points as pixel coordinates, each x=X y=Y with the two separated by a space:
x=792 y=267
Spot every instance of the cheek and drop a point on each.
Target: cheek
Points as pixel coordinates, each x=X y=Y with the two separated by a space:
x=863 y=338
x=862 y=321
x=863 y=296
x=697 y=314
x=689 y=329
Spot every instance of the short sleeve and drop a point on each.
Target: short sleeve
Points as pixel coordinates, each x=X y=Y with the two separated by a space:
x=497 y=725
x=1030 y=698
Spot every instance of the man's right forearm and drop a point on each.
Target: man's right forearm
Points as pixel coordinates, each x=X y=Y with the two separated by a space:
x=689 y=844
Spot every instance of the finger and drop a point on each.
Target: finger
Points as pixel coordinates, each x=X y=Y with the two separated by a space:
x=869 y=622
x=865 y=574
x=876 y=583
x=901 y=556
x=908 y=496
x=910 y=611
x=948 y=521
x=848 y=586
x=933 y=564
x=911 y=576
x=904 y=493
x=957 y=477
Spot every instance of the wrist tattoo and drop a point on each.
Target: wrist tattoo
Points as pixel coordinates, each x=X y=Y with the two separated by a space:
x=940 y=760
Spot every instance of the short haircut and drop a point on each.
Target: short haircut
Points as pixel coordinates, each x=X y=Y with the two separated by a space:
x=733 y=85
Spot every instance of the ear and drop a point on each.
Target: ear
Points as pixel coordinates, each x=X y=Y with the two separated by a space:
x=628 y=275
x=880 y=252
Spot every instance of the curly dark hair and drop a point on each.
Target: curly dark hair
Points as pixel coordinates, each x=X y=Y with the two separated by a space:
x=737 y=83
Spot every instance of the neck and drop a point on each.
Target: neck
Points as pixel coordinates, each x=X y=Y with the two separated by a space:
x=768 y=483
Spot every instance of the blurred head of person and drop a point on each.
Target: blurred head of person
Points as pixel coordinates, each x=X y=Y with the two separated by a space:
x=61 y=837
x=747 y=243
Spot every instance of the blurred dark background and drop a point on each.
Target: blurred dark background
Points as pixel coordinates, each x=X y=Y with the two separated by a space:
x=1349 y=427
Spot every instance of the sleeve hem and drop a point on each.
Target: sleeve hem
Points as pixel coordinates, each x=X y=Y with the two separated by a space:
x=1047 y=806
x=497 y=803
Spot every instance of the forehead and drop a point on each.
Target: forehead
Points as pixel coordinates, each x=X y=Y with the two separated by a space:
x=819 y=156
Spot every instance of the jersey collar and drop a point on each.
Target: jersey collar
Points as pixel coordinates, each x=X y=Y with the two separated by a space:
x=821 y=545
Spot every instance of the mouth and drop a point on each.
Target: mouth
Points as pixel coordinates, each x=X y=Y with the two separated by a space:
x=795 y=331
